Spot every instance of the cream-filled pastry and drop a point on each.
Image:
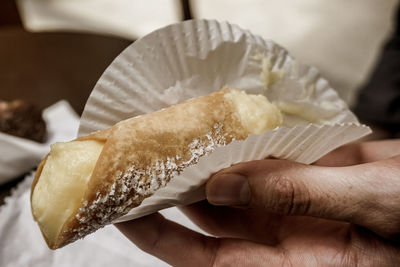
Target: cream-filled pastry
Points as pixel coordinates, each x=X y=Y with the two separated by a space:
x=85 y=184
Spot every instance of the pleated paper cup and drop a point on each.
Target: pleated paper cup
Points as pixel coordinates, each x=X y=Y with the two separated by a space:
x=196 y=58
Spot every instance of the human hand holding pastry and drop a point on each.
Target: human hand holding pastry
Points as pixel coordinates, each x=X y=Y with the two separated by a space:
x=345 y=216
x=134 y=166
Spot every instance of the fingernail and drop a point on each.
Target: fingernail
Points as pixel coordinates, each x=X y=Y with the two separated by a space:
x=228 y=189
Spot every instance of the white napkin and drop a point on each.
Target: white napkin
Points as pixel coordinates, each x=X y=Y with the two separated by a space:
x=21 y=243
x=19 y=155
x=129 y=19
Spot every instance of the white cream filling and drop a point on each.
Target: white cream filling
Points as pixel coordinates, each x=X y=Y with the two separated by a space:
x=256 y=113
x=62 y=184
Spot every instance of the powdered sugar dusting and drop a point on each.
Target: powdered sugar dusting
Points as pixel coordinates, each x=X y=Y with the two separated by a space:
x=131 y=187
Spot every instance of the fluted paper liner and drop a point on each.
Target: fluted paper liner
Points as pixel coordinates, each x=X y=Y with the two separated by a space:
x=195 y=58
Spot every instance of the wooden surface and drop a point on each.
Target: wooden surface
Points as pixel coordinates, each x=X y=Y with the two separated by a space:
x=45 y=67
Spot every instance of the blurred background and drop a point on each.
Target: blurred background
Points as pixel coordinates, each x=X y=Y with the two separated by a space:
x=57 y=49
x=53 y=50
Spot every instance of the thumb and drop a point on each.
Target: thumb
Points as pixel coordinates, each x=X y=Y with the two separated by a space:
x=364 y=194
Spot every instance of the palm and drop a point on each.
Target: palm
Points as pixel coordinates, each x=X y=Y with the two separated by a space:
x=303 y=240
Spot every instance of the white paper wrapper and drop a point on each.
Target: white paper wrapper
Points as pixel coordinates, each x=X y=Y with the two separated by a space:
x=19 y=155
x=195 y=58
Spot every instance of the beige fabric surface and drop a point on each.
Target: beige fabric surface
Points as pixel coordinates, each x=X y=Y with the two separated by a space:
x=341 y=38
x=130 y=19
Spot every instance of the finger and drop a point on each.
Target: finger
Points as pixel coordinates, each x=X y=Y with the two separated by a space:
x=180 y=246
x=358 y=153
x=257 y=225
x=221 y=221
x=169 y=241
x=379 y=150
x=347 y=155
x=364 y=194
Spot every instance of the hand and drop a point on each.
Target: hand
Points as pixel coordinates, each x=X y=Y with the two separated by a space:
x=345 y=216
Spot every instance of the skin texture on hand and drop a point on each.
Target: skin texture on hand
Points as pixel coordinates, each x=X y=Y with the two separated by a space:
x=281 y=213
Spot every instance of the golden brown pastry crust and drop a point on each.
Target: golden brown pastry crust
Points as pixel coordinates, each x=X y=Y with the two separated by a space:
x=142 y=154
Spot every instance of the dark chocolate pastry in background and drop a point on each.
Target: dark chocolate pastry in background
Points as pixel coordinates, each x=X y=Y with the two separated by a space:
x=22 y=119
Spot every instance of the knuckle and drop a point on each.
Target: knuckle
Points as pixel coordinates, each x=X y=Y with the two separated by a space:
x=228 y=254
x=390 y=228
x=211 y=247
x=157 y=242
x=381 y=214
x=285 y=195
